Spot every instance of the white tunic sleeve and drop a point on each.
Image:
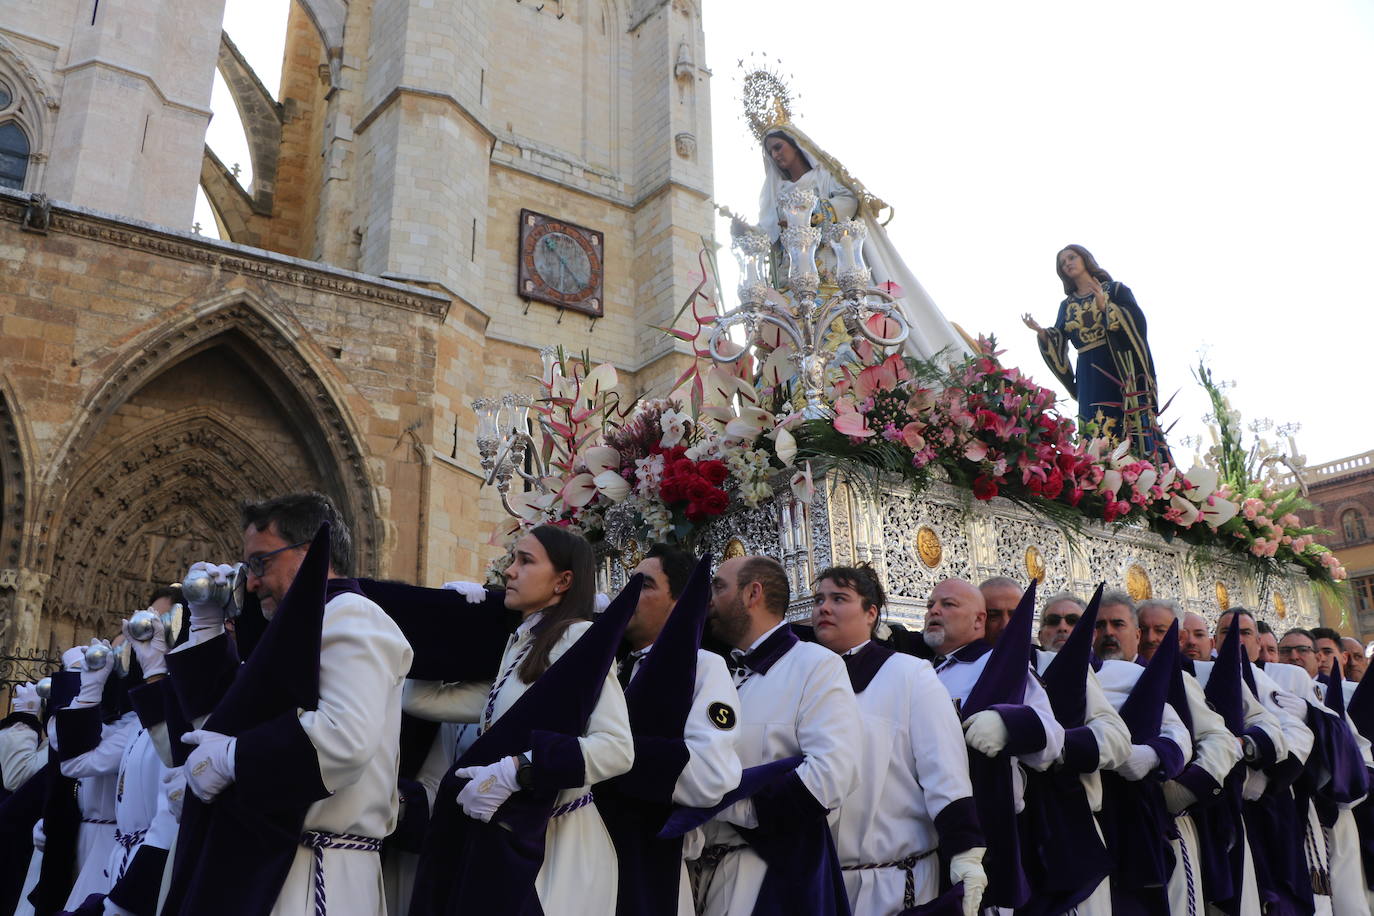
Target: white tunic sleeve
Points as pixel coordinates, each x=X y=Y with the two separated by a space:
x=438 y=701
x=1291 y=711
x=20 y=755
x=1107 y=726
x=363 y=659
x=104 y=758
x=1215 y=749
x=937 y=742
x=829 y=731
x=608 y=747
x=713 y=766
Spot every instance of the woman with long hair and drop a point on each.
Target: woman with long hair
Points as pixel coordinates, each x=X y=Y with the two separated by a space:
x=1114 y=380
x=551 y=582
x=913 y=805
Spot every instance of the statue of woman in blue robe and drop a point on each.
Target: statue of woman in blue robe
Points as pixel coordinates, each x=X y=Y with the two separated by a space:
x=1114 y=379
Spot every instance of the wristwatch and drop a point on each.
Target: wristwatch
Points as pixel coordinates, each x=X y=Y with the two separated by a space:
x=1249 y=748
x=524 y=772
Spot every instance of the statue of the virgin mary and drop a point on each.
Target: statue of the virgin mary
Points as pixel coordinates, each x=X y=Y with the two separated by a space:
x=792 y=160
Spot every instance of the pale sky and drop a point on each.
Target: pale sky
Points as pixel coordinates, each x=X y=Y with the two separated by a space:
x=1214 y=156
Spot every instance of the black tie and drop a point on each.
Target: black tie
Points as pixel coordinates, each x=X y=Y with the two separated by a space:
x=627 y=669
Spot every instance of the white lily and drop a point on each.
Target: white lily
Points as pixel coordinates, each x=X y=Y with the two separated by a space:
x=579 y=490
x=1145 y=481
x=600 y=458
x=1111 y=483
x=1188 y=510
x=1201 y=482
x=803 y=487
x=1219 y=512
x=612 y=486
x=785 y=444
x=750 y=422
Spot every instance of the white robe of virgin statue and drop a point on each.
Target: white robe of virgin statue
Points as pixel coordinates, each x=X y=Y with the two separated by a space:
x=931 y=332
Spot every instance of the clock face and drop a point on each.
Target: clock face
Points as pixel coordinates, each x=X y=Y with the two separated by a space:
x=560 y=263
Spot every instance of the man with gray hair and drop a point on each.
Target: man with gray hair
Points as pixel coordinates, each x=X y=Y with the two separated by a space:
x=1061 y=613
x=1118 y=634
x=1154 y=616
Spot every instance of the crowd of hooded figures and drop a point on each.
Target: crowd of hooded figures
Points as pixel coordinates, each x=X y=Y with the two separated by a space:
x=367 y=747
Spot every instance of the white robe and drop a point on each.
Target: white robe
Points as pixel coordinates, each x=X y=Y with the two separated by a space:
x=930 y=331
x=356 y=735
x=803 y=706
x=141 y=804
x=22 y=754
x=913 y=764
x=97 y=775
x=400 y=867
x=579 y=871
x=713 y=766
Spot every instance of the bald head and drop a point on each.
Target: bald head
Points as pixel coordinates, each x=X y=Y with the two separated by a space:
x=1356 y=661
x=1195 y=637
x=955 y=616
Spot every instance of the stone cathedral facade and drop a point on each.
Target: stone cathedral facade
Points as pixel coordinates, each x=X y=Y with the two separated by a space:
x=371 y=284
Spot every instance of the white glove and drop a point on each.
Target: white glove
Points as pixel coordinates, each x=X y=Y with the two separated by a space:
x=986 y=733
x=1177 y=797
x=114 y=909
x=40 y=839
x=1143 y=759
x=93 y=682
x=210 y=767
x=491 y=785
x=174 y=785
x=474 y=592
x=151 y=652
x=600 y=601
x=26 y=699
x=742 y=814
x=209 y=616
x=967 y=867
x=1256 y=781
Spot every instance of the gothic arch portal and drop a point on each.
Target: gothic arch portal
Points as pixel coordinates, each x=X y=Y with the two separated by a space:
x=125 y=501
x=15 y=450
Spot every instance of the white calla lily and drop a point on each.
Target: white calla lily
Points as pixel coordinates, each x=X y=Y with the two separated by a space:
x=612 y=486
x=1145 y=481
x=785 y=444
x=1202 y=482
x=1111 y=483
x=600 y=458
x=578 y=491
x=1219 y=512
x=1188 y=511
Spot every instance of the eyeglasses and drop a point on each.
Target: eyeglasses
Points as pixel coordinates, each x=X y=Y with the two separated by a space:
x=257 y=564
x=1054 y=620
x=1300 y=650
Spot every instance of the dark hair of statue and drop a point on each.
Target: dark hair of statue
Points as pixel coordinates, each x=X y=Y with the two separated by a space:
x=567 y=552
x=801 y=154
x=770 y=575
x=1089 y=262
x=863 y=581
x=299 y=517
x=677 y=566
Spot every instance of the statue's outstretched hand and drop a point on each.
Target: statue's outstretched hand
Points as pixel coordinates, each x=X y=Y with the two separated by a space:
x=1033 y=324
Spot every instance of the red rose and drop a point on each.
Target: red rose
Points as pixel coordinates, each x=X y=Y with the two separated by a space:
x=984 y=487
x=1054 y=484
x=673 y=490
x=715 y=472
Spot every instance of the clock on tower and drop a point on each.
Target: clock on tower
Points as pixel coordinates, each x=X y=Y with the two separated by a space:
x=560 y=263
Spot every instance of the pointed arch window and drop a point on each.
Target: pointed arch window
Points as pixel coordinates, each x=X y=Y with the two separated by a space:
x=14 y=142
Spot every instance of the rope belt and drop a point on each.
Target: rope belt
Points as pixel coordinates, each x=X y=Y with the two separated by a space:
x=572 y=806
x=97 y=820
x=319 y=841
x=1188 y=873
x=907 y=865
x=703 y=870
x=128 y=841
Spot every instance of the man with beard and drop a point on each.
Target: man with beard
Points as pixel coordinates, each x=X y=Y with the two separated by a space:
x=1027 y=732
x=1118 y=634
x=773 y=850
x=1195 y=637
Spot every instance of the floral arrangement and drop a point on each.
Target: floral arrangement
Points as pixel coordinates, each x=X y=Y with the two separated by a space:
x=730 y=432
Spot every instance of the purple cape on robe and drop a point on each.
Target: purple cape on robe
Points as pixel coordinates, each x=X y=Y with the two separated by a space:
x=1221 y=826
x=1002 y=687
x=468 y=866
x=61 y=816
x=19 y=811
x=1135 y=819
x=635 y=804
x=453 y=640
x=233 y=854
x=1066 y=858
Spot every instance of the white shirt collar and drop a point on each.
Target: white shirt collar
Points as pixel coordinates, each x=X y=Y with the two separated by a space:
x=640 y=653
x=740 y=653
x=528 y=624
x=856 y=649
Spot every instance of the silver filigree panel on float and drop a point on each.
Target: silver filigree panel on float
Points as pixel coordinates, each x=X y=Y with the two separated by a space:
x=916 y=541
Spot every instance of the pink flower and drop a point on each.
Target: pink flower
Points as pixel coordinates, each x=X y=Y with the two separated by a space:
x=975 y=450
x=850 y=422
x=911 y=435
